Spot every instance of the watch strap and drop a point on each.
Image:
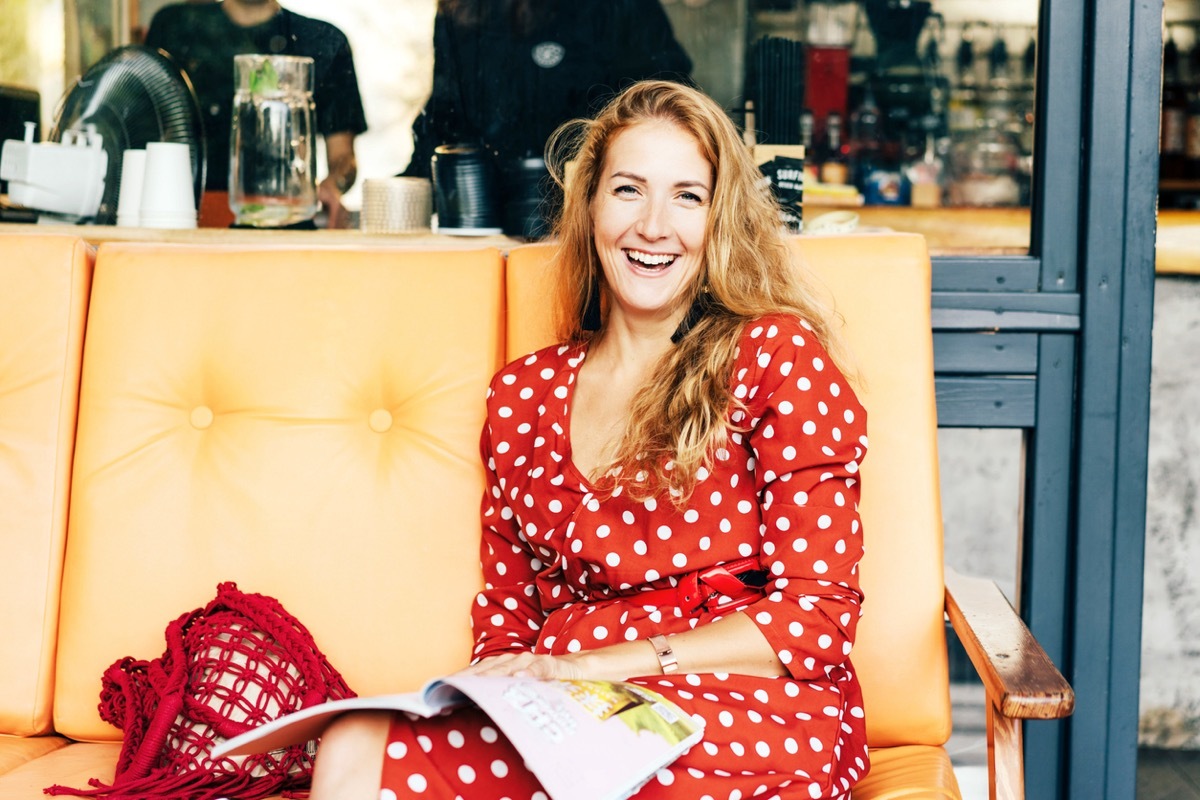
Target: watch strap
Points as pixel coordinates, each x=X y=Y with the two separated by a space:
x=664 y=653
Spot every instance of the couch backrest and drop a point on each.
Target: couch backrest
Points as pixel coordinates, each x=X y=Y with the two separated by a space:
x=880 y=286
x=43 y=305
x=305 y=423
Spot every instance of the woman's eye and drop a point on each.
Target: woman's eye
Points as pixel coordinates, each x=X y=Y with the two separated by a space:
x=689 y=197
x=626 y=190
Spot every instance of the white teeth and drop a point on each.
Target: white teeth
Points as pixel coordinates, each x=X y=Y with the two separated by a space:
x=649 y=259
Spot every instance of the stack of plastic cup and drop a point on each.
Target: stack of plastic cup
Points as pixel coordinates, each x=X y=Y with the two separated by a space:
x=168 y=200
x=129 y=200
x=395 y=205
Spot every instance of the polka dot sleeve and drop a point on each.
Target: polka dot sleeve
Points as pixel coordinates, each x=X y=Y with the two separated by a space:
x=807 y=434
x=507 y=615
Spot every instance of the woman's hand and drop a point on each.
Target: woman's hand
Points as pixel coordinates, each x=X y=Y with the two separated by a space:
x=527 y=665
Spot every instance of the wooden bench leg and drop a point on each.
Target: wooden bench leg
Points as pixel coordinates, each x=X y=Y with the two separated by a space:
x=1006 y=767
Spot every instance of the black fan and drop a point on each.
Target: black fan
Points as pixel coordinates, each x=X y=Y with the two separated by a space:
x=132 y=96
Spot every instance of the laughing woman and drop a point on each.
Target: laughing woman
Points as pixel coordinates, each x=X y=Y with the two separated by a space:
x=672 y=491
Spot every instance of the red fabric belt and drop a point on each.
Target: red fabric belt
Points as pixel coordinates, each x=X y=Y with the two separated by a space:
x=713 y=589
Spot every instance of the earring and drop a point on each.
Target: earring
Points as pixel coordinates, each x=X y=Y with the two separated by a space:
x=699 y=308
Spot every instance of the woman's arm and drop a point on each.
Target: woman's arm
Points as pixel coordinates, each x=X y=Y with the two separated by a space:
x=732 y=644
x=343 y=169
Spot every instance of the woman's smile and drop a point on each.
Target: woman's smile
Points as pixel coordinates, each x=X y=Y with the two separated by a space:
x=652 y=261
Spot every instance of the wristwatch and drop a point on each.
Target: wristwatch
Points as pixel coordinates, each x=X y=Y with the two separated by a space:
x=664 y=653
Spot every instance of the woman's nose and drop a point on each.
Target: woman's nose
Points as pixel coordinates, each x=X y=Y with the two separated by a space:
x=652 y=224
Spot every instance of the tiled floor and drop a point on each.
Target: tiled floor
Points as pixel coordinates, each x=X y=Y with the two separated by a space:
x=1161 y=774
x=1168 y=775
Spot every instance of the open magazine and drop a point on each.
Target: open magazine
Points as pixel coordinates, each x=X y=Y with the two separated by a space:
x=584 y=740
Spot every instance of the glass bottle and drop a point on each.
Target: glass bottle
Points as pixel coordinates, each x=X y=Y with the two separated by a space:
x=866 y=139
x=1191 y=145
x=964 y=111
x=835 y=166
x=1025 y=93
x=986 y=168
x=1172 y=152
x=812 y=166
x=925 y=174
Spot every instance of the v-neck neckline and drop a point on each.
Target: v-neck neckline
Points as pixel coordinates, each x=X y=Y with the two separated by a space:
x=571 y=382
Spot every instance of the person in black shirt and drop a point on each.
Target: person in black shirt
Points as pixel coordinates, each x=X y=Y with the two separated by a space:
x=507 y=73
x=203 y=38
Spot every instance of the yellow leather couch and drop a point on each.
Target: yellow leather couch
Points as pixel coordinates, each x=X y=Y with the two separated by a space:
x=305 y=422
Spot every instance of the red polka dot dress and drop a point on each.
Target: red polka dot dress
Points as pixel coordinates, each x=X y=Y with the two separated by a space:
x=564 y=565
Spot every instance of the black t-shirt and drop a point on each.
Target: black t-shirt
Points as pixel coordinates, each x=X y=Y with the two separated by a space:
x=203 y=41
x=509 y=91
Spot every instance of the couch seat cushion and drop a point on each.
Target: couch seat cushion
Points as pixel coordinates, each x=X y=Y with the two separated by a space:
x=909 y=771
x=16 y=750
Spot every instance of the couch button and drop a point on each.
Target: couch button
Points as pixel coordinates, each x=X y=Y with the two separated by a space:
x=202 y=417
x=380 y=420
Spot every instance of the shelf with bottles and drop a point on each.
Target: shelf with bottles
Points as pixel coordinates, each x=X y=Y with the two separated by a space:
x=1179 y=144
x=925 y=112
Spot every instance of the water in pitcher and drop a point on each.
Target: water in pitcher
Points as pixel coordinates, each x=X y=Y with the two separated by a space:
x=272 y=163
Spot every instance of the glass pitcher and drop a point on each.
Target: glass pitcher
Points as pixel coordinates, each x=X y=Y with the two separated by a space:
x=272 y=155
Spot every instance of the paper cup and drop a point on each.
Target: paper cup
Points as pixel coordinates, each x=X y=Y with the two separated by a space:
x=129 y=200
x=167 y=195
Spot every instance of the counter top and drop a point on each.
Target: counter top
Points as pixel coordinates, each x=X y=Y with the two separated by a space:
x=949 y=231
x=266 y=237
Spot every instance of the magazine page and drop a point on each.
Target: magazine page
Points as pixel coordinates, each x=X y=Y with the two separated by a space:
x=308 y=723
x=585 y=740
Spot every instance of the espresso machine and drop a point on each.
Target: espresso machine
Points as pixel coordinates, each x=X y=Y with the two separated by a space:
x=906 y=86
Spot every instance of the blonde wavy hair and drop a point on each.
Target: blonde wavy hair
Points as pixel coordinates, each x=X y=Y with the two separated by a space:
x=681 y=416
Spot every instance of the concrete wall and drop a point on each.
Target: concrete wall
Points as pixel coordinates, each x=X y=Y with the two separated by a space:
x=1170 y=686
x=981 y=474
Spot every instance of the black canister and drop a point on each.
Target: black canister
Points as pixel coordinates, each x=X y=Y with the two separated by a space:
x=464 y=189
x=531 y=199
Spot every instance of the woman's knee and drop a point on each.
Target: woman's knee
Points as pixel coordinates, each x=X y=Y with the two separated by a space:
x=350 y=757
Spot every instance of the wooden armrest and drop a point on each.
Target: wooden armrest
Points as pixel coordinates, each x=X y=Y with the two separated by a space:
x=1021 y=681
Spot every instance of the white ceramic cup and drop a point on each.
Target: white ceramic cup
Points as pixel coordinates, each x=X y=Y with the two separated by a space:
x=168 y=200
x=129 y=200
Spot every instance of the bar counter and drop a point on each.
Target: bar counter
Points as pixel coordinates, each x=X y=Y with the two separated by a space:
x=949 y=231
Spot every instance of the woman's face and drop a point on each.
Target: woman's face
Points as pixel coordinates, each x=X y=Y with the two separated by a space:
x=649 y=217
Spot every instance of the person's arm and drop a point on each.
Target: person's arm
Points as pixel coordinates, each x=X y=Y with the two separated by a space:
x=343 y=169
x=732 y=644
x=507 y=614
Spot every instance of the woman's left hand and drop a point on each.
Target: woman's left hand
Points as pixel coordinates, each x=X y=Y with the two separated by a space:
x=527 y=665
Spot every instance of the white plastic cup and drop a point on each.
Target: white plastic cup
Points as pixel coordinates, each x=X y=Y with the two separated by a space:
x=129 y=201
x=168 y=200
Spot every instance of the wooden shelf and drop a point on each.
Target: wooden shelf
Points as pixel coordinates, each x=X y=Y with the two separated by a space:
x=1179 y=185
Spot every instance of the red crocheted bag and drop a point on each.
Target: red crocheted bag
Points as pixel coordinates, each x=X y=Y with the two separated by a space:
x=238 y=662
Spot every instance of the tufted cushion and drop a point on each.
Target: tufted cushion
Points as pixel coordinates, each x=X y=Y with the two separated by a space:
x=43 y=304
x=880 y=285
x=303 y=422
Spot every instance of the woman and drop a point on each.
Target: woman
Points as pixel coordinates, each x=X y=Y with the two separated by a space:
x=671 y=495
